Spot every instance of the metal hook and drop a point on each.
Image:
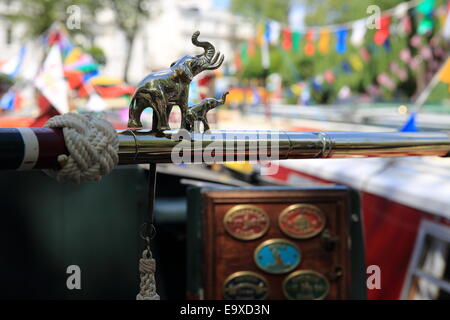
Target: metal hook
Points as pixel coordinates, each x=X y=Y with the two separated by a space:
x=148 y=232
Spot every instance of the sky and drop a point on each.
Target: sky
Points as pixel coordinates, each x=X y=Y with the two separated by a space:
x=223 y=4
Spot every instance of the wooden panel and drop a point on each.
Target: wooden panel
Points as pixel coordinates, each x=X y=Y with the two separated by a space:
x=224 y=255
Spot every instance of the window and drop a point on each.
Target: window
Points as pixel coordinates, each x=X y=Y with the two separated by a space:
x=428 y=276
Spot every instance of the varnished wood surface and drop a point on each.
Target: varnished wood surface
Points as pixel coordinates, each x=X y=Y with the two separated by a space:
x=224 y=255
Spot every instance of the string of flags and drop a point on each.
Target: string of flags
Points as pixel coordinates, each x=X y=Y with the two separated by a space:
x=66 y=67
x=275 y=33
x=311 y=41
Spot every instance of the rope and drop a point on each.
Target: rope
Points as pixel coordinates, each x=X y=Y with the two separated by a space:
x=93 y=147
x=147 y=267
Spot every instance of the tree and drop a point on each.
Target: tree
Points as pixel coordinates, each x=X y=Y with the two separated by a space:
x=39 y=15
x=341 y=11
x=257 y=9
x=129 y=16
x=294 y=65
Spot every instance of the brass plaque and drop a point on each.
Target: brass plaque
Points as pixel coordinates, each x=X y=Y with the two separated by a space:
x=245 y=285
x=305 y=285
x=277 y=256
x=301 y=221
x=246 y=222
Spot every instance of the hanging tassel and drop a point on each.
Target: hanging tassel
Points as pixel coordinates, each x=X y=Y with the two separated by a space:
x=147 y=268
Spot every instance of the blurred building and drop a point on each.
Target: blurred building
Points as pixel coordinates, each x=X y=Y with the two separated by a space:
x=166 y=37
x=163 y=39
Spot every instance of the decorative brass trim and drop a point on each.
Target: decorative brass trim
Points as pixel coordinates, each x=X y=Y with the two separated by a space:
x=277 y=240
x=247 y=273
x=317 y=211
x=238 y=208
x=306 y=271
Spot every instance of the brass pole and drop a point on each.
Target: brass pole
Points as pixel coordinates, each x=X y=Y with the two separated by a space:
x=143 y=146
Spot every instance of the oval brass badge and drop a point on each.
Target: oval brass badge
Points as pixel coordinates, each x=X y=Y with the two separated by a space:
x=246 y=222
x=245 y=285
x=306 y=285
x=277 y=256
x=301 y=221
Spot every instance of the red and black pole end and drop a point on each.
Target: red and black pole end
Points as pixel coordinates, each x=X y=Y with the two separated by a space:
x=30 y=148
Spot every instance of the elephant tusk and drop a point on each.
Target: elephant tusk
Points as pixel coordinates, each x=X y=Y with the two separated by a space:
x=217 y=65
x=214 y=59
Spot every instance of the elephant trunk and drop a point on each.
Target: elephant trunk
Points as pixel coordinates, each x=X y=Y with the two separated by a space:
x=207 y=46
x=224 y=96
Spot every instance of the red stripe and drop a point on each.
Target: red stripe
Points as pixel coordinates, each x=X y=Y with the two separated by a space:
x=51 y=145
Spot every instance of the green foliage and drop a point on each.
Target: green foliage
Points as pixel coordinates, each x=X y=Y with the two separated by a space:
x=97 y=54
x=39 y=15
x=5 y=83
x=260 y=9
x=295 y=66
x=341 y=11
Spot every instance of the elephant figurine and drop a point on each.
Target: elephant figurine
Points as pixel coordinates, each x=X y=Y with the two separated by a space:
x=198 y=112
x=161 y=90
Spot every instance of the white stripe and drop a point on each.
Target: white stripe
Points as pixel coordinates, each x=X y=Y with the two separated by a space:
x=31 y=152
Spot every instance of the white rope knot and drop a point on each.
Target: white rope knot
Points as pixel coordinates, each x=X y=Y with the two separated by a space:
x=93 y=145
x=147 y=267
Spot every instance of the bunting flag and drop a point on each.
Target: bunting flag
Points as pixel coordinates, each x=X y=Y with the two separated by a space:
x=267 y=33
x=265 y=50
x=410 y=125
x=12 y=66
x=387 y=45
x=401 y=10
x=444 y=76
x=260 y=35
x=356 y=62
x=50 y=80
x=251 y=48
x=275 y=28
x=341 y=40
x=446 y=27
x=425 y=26
x=237 y=61
x=346 y=67
x=287 y=39
x=309 y=45
x=8 y=100
x=426 y=7
x=399 y=20
x=244 y=55
x=296 y=40
x=382 y=34
x=324 y=41
x=358 y=33
x=265 y=55
x=73 y=56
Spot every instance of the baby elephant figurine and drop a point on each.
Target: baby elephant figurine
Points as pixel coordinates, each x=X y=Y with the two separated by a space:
x=198 y=112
